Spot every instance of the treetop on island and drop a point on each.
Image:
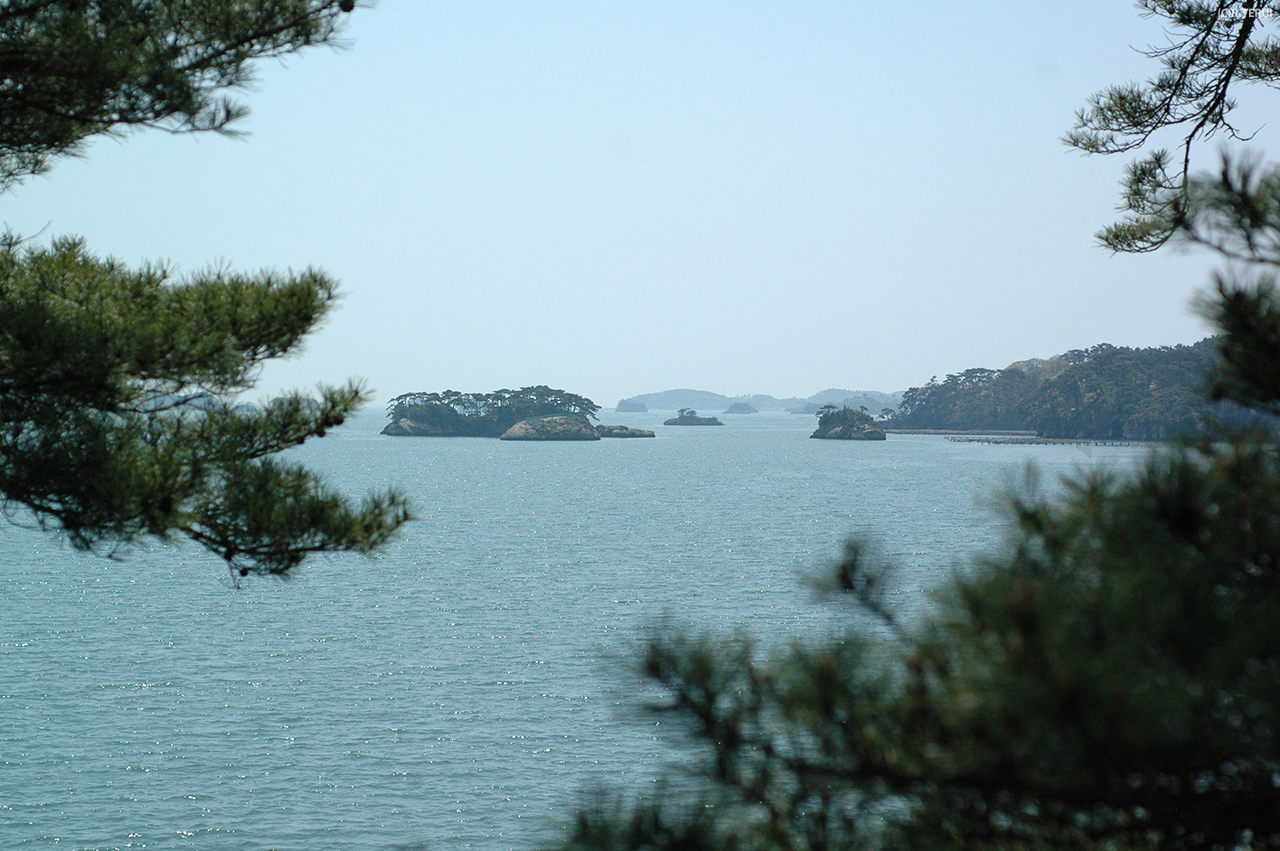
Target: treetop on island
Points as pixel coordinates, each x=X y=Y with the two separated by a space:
x=479 y=404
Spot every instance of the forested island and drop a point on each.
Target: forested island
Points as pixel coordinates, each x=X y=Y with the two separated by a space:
x=1101 y=393
x=846 y=424
x=689 y=417
x=454 y=414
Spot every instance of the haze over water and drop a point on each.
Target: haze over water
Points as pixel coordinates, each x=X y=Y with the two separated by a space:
x=461 y=688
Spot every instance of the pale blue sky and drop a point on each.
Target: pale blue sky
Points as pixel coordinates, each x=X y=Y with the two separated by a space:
x=624 y=197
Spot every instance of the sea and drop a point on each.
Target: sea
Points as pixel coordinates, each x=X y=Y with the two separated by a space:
x=473 y=683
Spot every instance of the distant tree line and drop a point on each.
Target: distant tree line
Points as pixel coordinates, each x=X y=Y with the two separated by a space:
x=483 y=414
x=1104 y=392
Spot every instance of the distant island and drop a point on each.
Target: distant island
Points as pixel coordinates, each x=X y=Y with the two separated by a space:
x=846 y=424
x=742 y=408
x=704 y=400
x=689 y=417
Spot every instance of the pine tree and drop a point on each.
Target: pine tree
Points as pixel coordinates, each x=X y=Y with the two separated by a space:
x=72 y=69
x=1111 y=678
x=117 y=385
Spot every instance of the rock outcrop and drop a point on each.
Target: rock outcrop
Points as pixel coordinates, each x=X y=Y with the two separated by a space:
x=622 y=431
x=404 y=427
x=848 y=432
x=555 y=427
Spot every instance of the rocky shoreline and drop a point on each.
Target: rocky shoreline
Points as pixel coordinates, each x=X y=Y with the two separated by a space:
x=554 y=427
x=622 y=431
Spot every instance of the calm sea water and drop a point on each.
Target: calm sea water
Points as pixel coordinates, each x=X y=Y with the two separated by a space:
x=462 y=688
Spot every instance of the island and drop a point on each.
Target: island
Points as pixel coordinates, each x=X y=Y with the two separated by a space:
x=689 y=417
x=554 y=427
x=846 y=424
x=622 y=431
x=454 y=414
x=742 y=408
x=631 y=406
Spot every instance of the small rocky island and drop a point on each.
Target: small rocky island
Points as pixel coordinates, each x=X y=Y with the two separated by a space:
x=630 y=406
x=846 y=424
x=554 y=427
x=622 y=431
x=689 y=417
x=742 y=408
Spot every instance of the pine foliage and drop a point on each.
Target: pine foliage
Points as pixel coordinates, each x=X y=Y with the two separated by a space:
x=115 y=415
x=1212 y=46
x=118 y=386
x=1109 y=678
x=71 y=69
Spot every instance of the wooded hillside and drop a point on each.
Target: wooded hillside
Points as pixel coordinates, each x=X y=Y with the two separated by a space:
x=1104 y=392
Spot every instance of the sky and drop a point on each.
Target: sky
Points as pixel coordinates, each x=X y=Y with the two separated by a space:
x=626 y=197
